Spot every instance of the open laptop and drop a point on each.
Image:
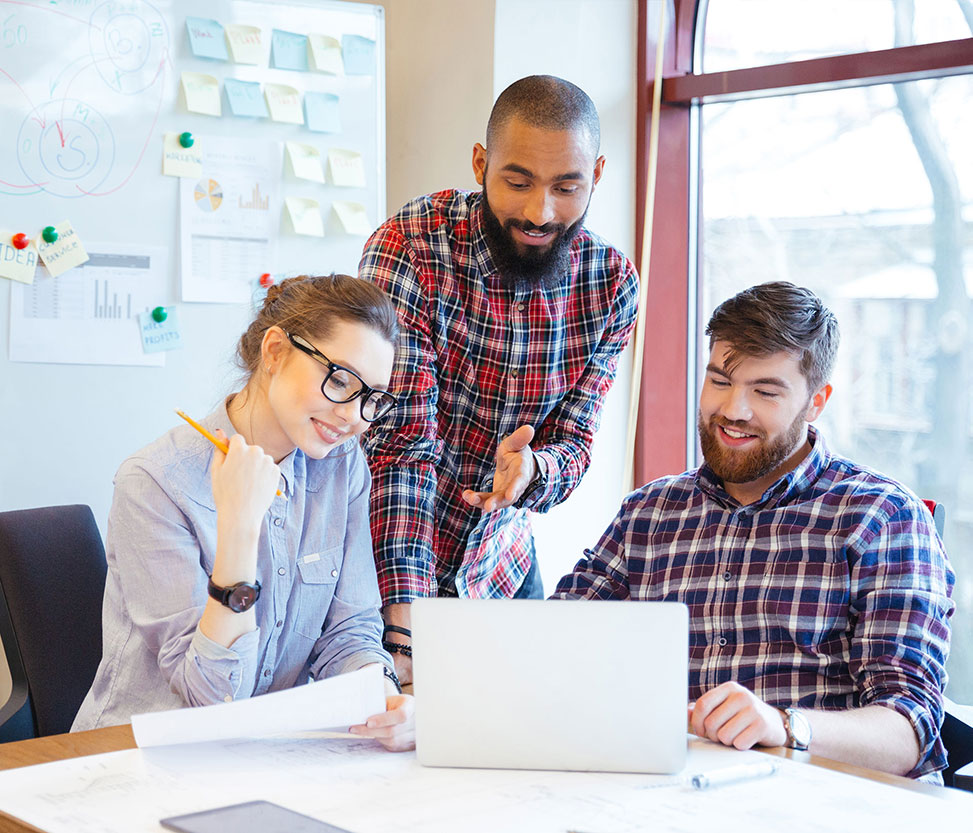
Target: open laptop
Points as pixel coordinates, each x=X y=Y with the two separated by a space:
x=568 y=685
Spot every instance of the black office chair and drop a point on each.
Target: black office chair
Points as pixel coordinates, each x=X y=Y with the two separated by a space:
x=52 y=578
x=957 y=735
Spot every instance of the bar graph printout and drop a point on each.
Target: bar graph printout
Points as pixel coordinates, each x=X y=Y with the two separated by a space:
x=229 y=220
x=89 y=315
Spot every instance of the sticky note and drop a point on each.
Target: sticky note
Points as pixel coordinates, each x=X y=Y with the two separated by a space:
x=288 y=50
x=359 y=55
x=180 y=161
x=206 y=38
x=202 y=93
x=346 y=168
x=325 y=53
x=245 y=43
x=305 y=161
x=284 y=103
x=64 y=252
x=305 y=215
x=245 y=98
x=323 y=112
x=352 y=217
x=17 y=264
x=160 y=335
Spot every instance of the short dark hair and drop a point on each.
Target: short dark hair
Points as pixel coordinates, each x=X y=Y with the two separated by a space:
x=547 y=102
x=775 y=317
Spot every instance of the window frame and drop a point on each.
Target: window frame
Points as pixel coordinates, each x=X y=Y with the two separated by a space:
x=665 y=434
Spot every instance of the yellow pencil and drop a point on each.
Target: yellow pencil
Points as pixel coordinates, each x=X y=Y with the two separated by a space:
x=222 y=446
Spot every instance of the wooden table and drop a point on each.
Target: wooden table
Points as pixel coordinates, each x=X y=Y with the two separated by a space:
x=114 y=738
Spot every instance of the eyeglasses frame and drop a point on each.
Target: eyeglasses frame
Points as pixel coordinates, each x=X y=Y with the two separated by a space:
x=362 y=393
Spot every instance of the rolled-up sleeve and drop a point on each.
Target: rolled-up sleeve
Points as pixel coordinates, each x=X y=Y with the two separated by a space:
x=155 y=558
x=901 y=588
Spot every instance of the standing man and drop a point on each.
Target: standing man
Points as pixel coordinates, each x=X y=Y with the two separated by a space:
x=818 y=590
x=513 y=316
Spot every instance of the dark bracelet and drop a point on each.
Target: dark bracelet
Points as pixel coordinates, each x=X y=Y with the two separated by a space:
x=397 y=648
x=398 y=630
x=390 y=674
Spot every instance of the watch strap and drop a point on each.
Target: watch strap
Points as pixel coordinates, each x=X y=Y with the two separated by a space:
x=237 y=597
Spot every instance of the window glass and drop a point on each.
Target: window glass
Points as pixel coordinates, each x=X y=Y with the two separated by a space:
x=833 y=191
x=749 y=33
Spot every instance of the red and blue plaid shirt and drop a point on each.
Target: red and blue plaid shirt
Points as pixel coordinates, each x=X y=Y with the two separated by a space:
x=476 y=361
x=830 y=592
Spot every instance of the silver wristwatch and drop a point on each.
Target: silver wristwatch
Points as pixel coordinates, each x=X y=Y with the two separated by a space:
x=798 y=730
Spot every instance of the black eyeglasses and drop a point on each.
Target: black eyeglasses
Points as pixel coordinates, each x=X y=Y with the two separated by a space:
x=343 y=385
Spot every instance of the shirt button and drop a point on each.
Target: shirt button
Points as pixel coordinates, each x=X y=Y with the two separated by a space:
x=520 y=307
x=721 y=642
x=266 y=672
x=513 y=374
x=281 y=571
x=334 y=574
x=228 y=698
x=280 y=623
x=727 y=575
x=278 y=521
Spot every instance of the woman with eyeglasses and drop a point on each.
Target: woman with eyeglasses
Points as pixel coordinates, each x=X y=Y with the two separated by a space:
x=233 y=575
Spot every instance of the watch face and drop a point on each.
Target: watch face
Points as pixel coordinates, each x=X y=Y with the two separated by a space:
x=242 y=597
x=800 y=729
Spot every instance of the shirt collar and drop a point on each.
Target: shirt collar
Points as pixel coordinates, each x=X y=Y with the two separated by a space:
x=791 y=485
x=289 y=469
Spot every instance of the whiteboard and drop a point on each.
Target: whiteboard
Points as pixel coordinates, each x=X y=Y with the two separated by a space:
x=87 y=91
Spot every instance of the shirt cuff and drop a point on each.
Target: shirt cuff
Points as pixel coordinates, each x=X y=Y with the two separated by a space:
x=216 y=673
x=547 y=465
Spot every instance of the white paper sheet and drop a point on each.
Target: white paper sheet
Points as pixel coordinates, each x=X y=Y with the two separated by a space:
x=337 y=702
x=88 y=315
x=362 y=788
x=229 y=220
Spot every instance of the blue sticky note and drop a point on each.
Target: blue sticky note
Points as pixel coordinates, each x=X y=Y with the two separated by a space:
x=359 y=55
x=289 y=50
x=323 y=112
x=245 y=98
x=206 y=38
x=160 y=335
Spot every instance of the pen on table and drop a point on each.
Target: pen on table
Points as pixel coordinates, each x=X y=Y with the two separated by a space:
x=733 y=774
x=222 y=446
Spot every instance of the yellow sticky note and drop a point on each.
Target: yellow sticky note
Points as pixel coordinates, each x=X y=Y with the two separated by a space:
x=244 y=42
x=284 y=103
x=17 y=264
x=352 y=217
x=305 y=215
x=325 y=53
x=346 y=168
x=64 y=252
x=180 y=161
x=202 y=93
x=305 y=161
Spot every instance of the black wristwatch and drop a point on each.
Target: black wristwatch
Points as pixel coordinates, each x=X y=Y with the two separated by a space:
x=238 y=597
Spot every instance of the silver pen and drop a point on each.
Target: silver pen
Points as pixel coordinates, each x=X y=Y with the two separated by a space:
x=733 y=774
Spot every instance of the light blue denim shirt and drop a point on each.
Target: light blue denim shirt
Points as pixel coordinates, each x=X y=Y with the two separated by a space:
x=318 y=612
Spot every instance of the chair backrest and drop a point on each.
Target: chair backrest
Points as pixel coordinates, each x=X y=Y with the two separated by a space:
x=52 y=578
x=957 y=735
x=938 y=512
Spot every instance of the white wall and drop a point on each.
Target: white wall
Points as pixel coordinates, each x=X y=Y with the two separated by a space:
x=591 y=43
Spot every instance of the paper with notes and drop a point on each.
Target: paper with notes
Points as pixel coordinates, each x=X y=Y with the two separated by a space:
x=245 y=43
x=202 y=93
x=358 y=786
x=284 y=103
x=333 y=703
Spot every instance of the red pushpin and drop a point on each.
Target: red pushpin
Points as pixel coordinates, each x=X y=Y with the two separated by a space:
x=20 y=241
x=266 y=280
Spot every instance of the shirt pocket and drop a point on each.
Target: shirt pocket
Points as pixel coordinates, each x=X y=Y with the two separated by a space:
x=318 y=577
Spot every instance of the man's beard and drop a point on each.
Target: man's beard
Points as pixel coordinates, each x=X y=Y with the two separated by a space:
x=746 y=466
x=543 y=266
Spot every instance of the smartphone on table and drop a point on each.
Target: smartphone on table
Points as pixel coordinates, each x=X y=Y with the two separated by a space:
x=249 y=817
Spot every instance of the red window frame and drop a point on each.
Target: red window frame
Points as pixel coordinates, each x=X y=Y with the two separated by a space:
x=664 y=423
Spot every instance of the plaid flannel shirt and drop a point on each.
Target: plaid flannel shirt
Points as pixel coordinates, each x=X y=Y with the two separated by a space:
x=476 y=361
x=831 y=592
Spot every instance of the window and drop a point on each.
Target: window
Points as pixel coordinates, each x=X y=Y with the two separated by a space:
x=864 y=195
